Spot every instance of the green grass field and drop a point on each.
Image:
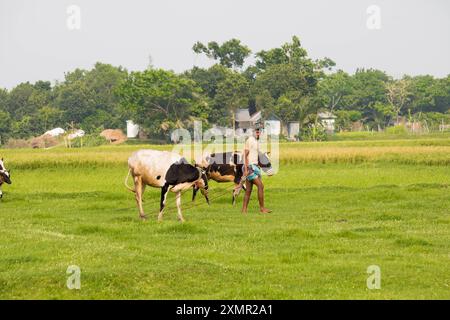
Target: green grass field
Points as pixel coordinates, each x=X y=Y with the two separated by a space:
x=338 y=207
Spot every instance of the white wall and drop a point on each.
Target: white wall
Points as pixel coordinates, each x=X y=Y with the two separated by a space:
x=132 y=129
x=272 y=127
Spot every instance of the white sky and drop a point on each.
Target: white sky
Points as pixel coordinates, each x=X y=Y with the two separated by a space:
x=35 y=43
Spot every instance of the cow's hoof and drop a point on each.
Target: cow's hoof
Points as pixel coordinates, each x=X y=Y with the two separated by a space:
x=143 y=217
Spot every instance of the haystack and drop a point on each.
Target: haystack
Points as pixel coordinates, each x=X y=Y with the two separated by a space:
x=114 y=136
x=44 y=141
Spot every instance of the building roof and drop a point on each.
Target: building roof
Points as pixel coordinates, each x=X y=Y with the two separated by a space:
x=326 y=115
x=243 y=115
x=272 y=117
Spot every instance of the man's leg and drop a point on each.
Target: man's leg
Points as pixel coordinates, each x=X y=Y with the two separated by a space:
x=248 y=193
x=258 y=182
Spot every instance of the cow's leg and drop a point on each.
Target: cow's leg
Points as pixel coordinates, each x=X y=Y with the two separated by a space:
x=194 y=193
x=139 y=190
x=1 y=193
x=164 y=192
x=143 y=191
x=180 y=215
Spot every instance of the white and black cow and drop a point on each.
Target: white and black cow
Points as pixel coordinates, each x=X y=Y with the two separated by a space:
x=168 y=171
x=228 y=167
x=5 y=176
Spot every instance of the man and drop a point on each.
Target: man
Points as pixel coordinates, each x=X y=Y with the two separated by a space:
x=252 y=172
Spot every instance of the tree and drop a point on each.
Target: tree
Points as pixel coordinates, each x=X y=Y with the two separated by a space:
x=368 y=88
x=284 y=81
x=5 y=126
x=429 y=94
x=398 y=94
x=19 y=103
x=224 y=89
x=281 y=78
x=291 y=78
x=290 y=53
x=160 y=100
x=88 y=98
x=286 y=109
x=23 y=128
x=381 y=114
x=49 y=117
x=103 y=80
x=75 y=100
x=208 y=79
x=346 y=118
x=441 y=91
x=231 y=54
x=333 y=89
x=232 y=93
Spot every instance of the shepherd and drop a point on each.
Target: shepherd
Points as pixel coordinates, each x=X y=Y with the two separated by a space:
x=252 y=172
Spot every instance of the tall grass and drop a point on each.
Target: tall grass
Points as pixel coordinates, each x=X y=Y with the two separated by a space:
x=430 y=155
x=429 y=152
x=392 y=134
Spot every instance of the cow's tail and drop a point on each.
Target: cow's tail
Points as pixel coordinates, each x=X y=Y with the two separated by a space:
x=126 y=181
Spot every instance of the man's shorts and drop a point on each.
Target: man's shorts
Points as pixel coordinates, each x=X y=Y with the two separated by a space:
x=253 y=172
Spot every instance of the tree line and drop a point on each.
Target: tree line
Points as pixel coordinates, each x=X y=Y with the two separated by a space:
x=283 y=82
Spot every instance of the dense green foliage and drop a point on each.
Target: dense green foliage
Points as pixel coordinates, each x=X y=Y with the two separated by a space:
x=283 y=82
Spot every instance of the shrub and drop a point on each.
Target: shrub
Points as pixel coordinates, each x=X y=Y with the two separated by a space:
x=399 y=129
x=89 y=140
x=314 y=133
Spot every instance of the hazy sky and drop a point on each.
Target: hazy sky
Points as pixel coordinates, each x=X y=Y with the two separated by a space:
x=36 y=44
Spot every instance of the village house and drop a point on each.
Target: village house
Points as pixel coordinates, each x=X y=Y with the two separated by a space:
x=245 y=122
x=327 y=119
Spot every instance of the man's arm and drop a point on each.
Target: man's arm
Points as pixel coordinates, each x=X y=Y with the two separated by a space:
x=246 y=153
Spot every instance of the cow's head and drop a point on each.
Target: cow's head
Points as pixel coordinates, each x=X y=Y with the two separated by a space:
x=5 y=175
x=264 y=163
x=201 y=184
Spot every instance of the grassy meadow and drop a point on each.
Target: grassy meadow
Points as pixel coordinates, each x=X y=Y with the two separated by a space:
x=338 y=207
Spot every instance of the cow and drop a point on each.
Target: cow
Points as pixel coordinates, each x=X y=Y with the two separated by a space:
x=168 y=171
x=5 y=176
x=228 y=167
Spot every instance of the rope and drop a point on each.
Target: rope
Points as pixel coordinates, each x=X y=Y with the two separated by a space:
x=192 y=205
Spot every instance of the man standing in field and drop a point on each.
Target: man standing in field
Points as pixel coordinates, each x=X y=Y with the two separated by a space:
x=252 y=172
